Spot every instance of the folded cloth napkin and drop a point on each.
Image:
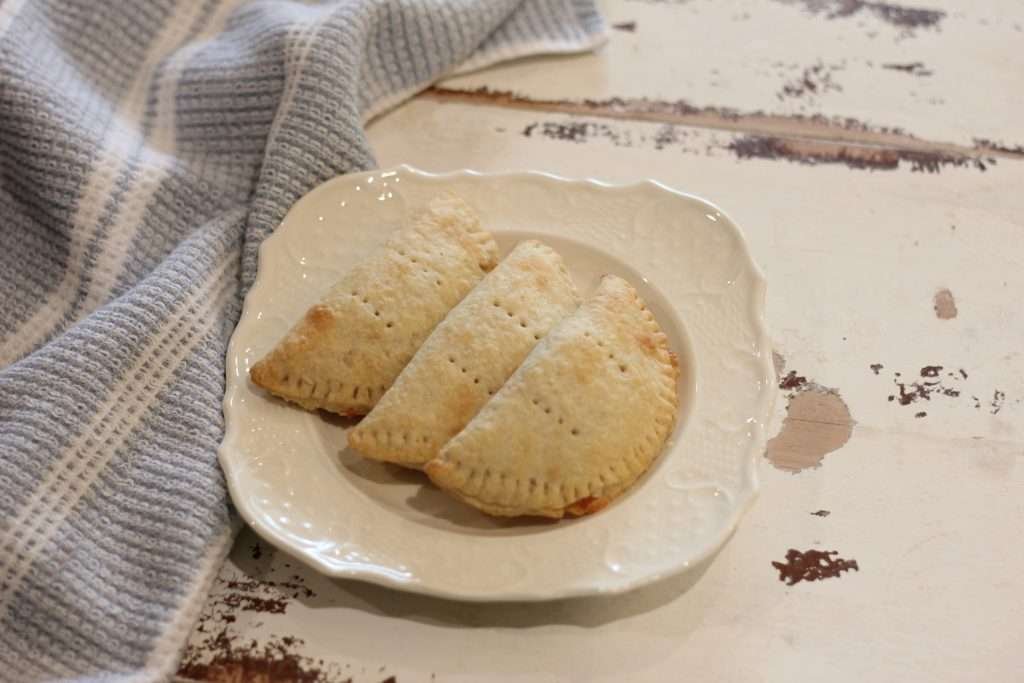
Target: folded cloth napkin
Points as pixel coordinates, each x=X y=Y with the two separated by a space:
x=146 y=148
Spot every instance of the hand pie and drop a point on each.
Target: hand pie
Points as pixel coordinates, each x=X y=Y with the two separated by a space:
x=586 y=413
x=468 y=357
x=348 y=349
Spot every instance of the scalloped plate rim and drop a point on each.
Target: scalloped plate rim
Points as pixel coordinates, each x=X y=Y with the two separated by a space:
x=744 y=499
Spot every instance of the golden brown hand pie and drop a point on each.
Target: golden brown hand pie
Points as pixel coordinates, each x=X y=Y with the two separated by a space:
x=468 y=357
x=348 y=349
x=586 y=413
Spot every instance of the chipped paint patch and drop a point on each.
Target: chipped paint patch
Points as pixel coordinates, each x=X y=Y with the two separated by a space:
x=832 y=130
x=861 y=157
x=673 y=111
x=792 y=381
x=815 y=80
x=578 y=131
x=817 y=423
x=218 y=651
x=899 y=16
x=944 y=305
x=813 y=565
x=1003 y=148
x=998 y=398
x=912 y=68
x=238 y=659
x=268 y=597
x=934 y=382
x=903 y=17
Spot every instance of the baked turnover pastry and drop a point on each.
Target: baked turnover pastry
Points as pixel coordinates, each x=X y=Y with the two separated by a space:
x=348 y=348
x=468 y=357
x=578 y=422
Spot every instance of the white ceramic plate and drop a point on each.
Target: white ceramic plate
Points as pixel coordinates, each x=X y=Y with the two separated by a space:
x=295 y=482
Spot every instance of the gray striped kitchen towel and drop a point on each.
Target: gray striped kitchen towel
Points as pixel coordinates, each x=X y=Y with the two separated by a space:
x=146 y=148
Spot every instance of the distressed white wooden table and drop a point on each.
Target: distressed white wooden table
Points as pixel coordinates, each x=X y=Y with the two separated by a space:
x=874 y=154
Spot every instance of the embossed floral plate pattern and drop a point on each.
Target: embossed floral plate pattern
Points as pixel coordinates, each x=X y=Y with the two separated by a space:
x=297 y=484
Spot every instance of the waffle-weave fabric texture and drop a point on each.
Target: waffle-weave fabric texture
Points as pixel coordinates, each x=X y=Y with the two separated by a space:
x=146 y=149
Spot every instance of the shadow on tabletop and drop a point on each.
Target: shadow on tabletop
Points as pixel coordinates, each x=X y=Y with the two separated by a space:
x=271 y=564
x=582 y=612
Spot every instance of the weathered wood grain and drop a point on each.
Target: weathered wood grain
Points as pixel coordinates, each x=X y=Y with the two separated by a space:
x=854 y=254
x=941 y=71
